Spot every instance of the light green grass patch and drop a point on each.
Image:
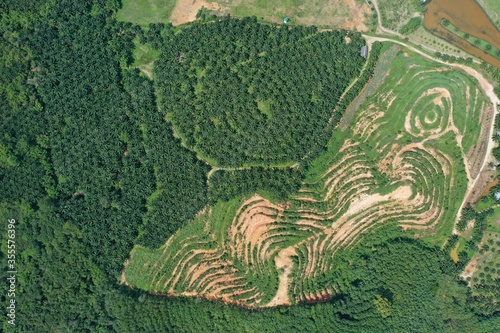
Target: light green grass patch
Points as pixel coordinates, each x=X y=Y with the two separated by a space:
x=493 y=220
x=144 y=54
x=413 y=24
x=265 y=107
x=143 y=12
x=486 y=202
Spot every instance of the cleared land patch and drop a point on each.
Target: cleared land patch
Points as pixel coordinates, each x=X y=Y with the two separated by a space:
x=403 y=163
x=396 y=13
x=345 y=14
x=186 y=10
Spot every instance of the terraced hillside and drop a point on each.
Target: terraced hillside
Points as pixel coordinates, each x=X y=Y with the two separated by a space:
x=405 y=159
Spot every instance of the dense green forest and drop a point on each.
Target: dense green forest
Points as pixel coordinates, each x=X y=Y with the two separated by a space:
x=244 y=93
x=225 y=184
x=89 y=167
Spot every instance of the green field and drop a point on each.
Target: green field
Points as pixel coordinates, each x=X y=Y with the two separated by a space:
x=143 y=12
x=398 y=164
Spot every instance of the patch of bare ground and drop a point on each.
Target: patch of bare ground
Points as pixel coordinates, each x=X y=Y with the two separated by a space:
x=347 y=192
x=486 y=176
x=284 y=263
x=489 y=186
x=186 y=10
x=357 y=18
x=146 y=71
x=123 y=278
x=319 y=296
x=365 y=212
x=363 y=202
x=251 y=226
x=470 y=269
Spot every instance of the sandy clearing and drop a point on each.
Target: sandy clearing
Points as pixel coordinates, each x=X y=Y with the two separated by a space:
x=363 y=202
x=284 y=262
x=469 y=270
x=146 y=71
x=251 y=226
x=186 y=10
x=123 y=278
x=357 y=16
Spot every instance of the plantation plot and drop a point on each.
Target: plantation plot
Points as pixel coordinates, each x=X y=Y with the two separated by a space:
x=241 y=93
x=403 y=162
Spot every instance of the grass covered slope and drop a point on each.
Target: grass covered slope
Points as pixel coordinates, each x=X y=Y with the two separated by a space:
x=242 y=93
x=402 y=162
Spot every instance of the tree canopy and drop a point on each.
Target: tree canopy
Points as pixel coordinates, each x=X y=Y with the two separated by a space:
x=243 y=93
x=89 y=167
